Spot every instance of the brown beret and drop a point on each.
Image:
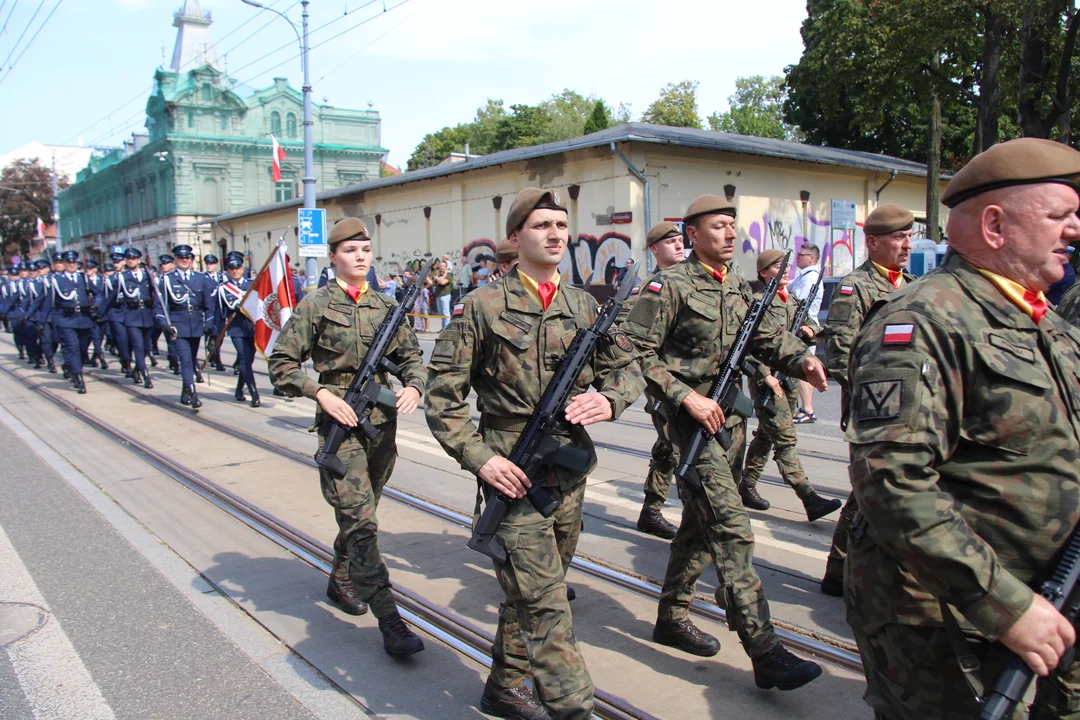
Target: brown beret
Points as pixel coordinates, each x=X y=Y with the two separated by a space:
x=769 y=257
x=1024 y=161
x=347 y=229
x=505 y=252
x=528 y=200
x=662 y=231
x=709 y=205
x=888 y=218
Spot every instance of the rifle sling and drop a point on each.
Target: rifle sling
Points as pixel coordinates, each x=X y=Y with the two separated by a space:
x=966 y=660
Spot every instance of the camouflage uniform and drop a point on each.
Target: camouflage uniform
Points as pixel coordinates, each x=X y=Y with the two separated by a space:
x=846 y=313
x=683 y=326
x=335 y=333
x=965 y=432
x=1069 y=307
x=506 y=347
x=777 y=433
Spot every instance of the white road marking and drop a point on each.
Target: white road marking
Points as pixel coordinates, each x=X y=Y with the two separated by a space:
x=53 y=678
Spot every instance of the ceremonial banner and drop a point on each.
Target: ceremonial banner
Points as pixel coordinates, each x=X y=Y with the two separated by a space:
x=270 y=301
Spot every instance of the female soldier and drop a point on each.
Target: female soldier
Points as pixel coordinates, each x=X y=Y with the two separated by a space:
x=240 y=328
x=334 y=326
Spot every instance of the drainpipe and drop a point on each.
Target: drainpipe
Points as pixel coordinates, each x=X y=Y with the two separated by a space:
x=644 y=180
x=232 y=239
x=892 y=176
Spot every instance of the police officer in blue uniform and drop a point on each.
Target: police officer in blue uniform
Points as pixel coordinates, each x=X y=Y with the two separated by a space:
x=115 y=305
x=210 y=263
x=40 y=317
x=213 y=268
x=191 y=304
x=97 y=332
x=135 y=290
x=166 y=264
x=241 y=330
x=17 y=313
x=72 y=301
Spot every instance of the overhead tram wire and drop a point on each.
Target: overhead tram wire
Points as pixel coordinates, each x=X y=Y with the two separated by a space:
x=2 y=4
x=389 y=30
x=23 y=34
x=31 y=42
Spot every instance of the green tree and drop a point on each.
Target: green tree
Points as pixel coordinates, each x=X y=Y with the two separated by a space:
x=437 y=145
x=484 y=126
x=25 y=196
x=526 y=125
x=599 y=118
x=757 y=109
x=676 y=106
x=569 y=112
x=623 y=114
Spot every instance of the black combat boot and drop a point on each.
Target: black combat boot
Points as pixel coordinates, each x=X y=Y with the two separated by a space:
x=80 y=386
x=750 y=498
x=832 y=585
x=22 y=355
x=517 y=703
x=571 y=595
x=341 y=592
x=174 y=368
x=279 y=393
x=398 y=640
x=651 y=521
x=66 y=370
x=40 y=363
x=255 y=402
x=236 y=367
x=185 y=394
x=136 y=377
x=126 y=368
x=153 y=361
x=198 y=375
x=146 y=382
x=101 y=362
x=195 y=401
x=239 y=394
x=685 y=636
x=219 y=367
x=818 y=507
x=779 y=669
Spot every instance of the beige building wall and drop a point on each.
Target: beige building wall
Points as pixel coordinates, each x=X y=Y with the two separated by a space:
x=456 y=215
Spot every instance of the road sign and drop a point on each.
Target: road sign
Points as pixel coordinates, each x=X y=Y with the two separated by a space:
x=312 y=236
x=843 y=215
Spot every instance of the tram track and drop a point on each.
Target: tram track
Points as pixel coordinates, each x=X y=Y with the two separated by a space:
x=442 y=624
x=795 y=637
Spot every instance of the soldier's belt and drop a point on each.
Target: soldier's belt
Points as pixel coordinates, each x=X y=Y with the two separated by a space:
x=510 y=424
x=341 y=378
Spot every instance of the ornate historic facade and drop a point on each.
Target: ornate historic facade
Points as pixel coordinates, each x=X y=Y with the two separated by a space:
x=206 y=152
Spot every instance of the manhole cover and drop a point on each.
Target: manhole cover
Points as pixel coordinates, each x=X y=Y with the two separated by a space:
x=17 y=620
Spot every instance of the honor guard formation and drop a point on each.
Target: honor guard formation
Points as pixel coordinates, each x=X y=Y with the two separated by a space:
x=955 y=553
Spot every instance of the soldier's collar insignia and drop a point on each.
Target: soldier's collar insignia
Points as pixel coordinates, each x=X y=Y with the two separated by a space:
x=655 y=286
x=846 y=289
x=898 y=334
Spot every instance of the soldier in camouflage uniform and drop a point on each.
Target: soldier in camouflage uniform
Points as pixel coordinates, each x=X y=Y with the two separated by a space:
x=965 y=432
x=1069 y=307
x=505 y=342
x=777 y=431
x=888 y=244
x=334 y=326
x=683 y=325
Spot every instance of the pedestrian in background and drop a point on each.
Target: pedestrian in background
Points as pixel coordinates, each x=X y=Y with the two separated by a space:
x=800 y=286
x=440 y=291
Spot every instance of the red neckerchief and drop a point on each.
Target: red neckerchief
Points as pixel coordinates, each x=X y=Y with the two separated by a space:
x=720 y=274
x=1037 y=306
x=782 y=294
x=353 y=292
x=546 y=292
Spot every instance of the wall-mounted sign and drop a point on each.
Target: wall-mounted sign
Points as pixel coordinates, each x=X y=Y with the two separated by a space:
x=621 y=218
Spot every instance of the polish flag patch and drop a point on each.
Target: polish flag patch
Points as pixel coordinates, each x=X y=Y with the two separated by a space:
x=898 y=334
x=458 y=310
x=655 y=286
x=846 y=289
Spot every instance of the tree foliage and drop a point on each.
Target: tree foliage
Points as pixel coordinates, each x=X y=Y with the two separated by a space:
x=599 y=118
x=676 y=106
x=25 y=196
x=757 y=109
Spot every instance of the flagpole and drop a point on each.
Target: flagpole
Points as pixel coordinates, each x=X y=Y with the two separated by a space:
x=240 y=305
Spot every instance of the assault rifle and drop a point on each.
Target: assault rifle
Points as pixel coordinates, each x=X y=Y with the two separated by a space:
x=1062 y=592
x=768 y=402
x=365 y=391
x=538 y=448
x=725 y=390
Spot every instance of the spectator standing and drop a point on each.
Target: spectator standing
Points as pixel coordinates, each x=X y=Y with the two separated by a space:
x=440 y=291
x=800 y=286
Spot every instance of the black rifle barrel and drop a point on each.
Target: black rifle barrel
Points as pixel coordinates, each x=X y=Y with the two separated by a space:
x=768 y=399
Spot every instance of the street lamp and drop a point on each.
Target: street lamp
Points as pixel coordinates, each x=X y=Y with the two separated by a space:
x=311 y=265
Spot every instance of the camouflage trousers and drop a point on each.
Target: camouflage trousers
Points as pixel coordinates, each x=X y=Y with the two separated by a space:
x=661 y=467
x=834 y=566
x=777 y=434
x=715 y=528
x=355 y=498
x=536 y=632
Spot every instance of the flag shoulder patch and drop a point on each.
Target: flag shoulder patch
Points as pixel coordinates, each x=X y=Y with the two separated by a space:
x=846 y=289
x=459 y=309
x=655 y=286
x=898 y=334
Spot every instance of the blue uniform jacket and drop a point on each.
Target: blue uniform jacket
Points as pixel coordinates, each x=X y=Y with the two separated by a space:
x=192 y=305
x=137 y=296
x=41 y=307
x=72 y=300
x=229 y=295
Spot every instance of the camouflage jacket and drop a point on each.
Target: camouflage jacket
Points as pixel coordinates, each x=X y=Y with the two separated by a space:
x=332 y=330
x=505 y=346
x=965 y=432
x=1069 y=307
x=783 y=314
x=684 y=324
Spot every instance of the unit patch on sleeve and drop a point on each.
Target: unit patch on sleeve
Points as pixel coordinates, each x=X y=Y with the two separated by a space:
x=623 y=342
x=846 y=289
x=878 y=400
x=458 y=310
x=898 y=334
x=655 y=286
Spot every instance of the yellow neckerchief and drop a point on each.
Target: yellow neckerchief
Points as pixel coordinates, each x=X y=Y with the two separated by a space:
x=712 y=273
x=533 y=287
x=1018 y=295
x=886 y=272
x=345 y=286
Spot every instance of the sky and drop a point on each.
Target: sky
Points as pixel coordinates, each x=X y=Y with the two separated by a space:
x=423 y=64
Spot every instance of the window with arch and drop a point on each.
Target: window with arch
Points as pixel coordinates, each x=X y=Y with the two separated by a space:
x=207 y=93
x=290 y=125
x=190 y=119
x=275 y=123
x=224 y=124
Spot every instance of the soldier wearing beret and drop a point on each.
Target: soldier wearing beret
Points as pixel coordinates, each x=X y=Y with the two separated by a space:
x=334 y=327
x=505 y=342
x=965 y=440
x=683 y=325
x=888 y=244
x=776 y=432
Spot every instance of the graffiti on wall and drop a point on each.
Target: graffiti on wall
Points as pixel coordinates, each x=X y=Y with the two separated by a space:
x=592 y=260
x=784 y=231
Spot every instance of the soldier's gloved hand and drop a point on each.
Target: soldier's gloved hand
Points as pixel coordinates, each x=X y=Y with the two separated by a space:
x=171 y=333
x=705 y=411
x=588 y=408
x=774 y=385
x=815 y=373
x=407 y=400
x=505 y=476
x=1040 y=637
x=336 y=408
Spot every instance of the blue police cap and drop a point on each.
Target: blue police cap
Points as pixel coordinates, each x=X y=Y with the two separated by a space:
x=234 y=261
x=132 y=253
x=80 y=266
x=210 y=259
x=69 y=256
x=41 y=264
x=162 y=259
x=183 y=251
x=91 y=263
x=109 y=267
x=116 y=256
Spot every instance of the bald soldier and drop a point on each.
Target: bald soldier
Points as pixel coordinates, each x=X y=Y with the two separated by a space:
x=684 y=324
x=965 y=437
x=888 y=244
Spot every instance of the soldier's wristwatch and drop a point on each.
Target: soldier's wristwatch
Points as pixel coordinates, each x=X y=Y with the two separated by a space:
x=612 y=403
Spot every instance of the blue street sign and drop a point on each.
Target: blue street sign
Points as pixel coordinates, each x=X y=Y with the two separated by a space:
x=312 y=236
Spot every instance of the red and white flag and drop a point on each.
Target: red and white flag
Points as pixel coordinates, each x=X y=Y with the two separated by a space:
x=277 y=154
x=40 y=229
x=270 y=301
